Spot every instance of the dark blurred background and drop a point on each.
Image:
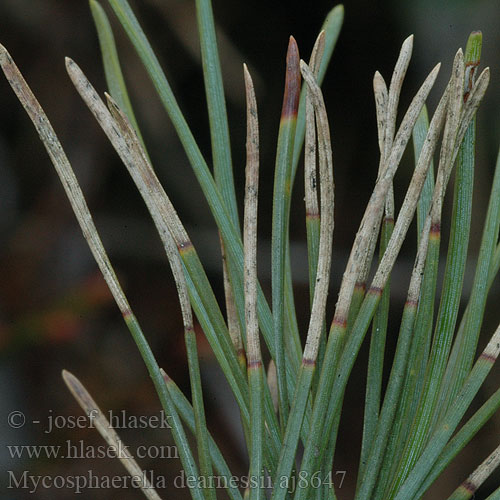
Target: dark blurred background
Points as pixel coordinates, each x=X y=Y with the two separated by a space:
x=55 y=310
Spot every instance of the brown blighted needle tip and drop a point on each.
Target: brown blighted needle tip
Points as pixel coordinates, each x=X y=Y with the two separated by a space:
x=292 y=81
